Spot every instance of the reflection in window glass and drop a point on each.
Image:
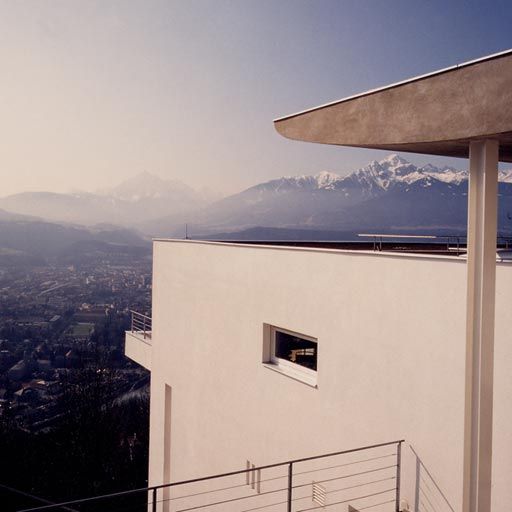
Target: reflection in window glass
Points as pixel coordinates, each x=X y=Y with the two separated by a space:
x=296 y=350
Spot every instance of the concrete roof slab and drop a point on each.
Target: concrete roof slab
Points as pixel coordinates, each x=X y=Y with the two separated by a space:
x=438 y=114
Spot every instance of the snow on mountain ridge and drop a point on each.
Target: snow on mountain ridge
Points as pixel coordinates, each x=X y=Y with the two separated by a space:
x=327 y=179
x=148 y=186
x=393 y=162
x=375 y=178
x=395 y=169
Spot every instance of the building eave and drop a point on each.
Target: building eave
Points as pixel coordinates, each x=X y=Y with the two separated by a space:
x=438 y=113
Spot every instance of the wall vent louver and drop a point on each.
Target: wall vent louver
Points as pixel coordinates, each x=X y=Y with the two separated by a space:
x=319 y=494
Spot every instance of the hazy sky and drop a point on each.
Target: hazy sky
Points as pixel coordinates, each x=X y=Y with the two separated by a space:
x=92 y=93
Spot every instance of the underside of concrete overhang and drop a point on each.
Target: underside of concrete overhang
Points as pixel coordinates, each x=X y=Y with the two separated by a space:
x=438 y=113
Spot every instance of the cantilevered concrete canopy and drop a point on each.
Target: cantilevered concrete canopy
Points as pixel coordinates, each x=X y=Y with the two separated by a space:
x=463 y=111
x=438 y=113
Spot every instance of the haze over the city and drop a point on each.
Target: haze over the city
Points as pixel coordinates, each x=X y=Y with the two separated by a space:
x=93 y=93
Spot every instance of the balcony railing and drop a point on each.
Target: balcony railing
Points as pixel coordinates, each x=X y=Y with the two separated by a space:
x=366 y=478
x=141 y=325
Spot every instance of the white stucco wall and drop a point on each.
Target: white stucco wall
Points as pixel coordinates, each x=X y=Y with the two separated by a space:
x=138 y=349
x=391 y=340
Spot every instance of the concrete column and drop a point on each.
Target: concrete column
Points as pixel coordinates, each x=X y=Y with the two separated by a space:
x=481 y=283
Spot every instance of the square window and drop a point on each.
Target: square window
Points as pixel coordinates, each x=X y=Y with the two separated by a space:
x=293 y=354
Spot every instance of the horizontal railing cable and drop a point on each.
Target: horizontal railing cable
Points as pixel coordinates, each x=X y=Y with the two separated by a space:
x=345 y=476
x=231 y=500
x=226 y=488
x=166 y=500
x=342 y=465
x=347 y=501
x=334 y=491
x=264 y=506
x=376 y=505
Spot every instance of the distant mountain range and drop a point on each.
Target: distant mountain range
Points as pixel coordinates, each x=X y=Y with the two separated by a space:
x=391 y=195
x=136 y=200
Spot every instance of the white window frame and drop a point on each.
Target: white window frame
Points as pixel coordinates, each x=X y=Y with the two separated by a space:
x=293 y=370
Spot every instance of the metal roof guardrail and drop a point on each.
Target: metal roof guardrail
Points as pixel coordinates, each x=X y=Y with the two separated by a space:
x=454 y=243
x=297 y=485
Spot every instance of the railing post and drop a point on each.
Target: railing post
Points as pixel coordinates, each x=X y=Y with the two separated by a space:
x=398 y=464
x=290 y=486
x=153 y=506
x=131 y=313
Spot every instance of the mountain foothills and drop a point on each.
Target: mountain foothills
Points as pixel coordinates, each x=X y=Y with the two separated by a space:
x=392 y=195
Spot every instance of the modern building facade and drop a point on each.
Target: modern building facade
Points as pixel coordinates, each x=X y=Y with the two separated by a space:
x=260 y=353
x=390 y=331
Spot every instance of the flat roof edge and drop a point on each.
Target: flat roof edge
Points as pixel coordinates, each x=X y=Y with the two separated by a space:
x=398 y=84
x=291 y=248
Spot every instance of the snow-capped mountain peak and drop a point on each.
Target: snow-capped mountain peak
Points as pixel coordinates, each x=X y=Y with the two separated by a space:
x=327 y=179
x=381 y=175
x=393 y=161
x=147 y=186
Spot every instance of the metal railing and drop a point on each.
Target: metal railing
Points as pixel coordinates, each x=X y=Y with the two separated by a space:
x=141 y=325
x=366 y=478
x=452 y=243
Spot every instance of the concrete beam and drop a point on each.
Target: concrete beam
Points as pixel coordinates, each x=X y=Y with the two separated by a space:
x=481 y=283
